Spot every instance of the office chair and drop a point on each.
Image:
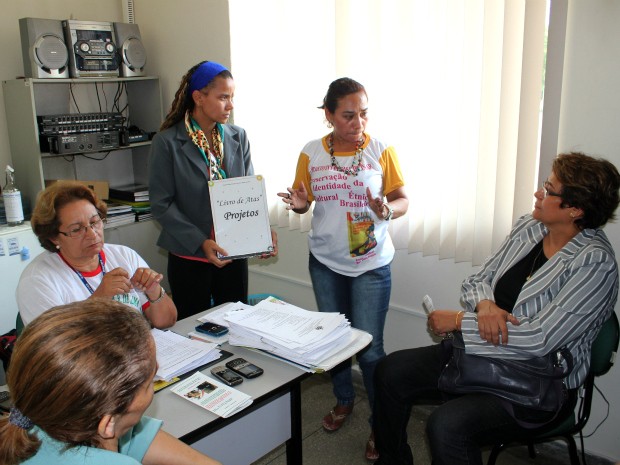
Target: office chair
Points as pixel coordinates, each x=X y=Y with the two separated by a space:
x=604 y=350
x=19 y=324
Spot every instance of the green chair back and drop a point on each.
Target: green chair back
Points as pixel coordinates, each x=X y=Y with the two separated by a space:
x=19 y=324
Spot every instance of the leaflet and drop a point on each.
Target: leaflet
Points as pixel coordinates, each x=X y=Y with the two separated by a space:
x=212 y=395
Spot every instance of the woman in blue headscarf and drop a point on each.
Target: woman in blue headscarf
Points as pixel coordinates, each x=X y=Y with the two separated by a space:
x=195 y=145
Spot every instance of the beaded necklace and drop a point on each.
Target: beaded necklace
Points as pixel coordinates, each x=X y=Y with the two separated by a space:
x=356 y=166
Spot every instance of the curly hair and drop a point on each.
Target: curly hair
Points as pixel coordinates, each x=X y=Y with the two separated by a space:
x=183 y=101
x=590 y=184
x=44 y=220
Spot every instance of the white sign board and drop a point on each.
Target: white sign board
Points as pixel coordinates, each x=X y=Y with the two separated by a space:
x=241 y=216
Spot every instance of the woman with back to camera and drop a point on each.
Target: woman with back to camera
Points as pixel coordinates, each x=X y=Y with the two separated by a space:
x=197 y=145
x=81 y=378
x=357 y=185
x=551 y=285
x=68 y=220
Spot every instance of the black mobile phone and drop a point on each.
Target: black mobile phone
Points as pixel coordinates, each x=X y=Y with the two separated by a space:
x=5 y=401
x=244 y=368
x=226 y=375
x=212 y=329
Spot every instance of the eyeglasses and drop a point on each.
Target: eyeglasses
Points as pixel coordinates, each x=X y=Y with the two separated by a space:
x=547 y=192
x=80 y=231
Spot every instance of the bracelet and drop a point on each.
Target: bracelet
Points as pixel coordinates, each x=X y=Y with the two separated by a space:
x=389 y=209
x=162 y=293
x=456 y=320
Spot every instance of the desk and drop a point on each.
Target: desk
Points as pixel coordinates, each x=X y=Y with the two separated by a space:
x=273 y=418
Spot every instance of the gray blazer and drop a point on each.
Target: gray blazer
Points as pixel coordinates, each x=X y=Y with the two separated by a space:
x=178 y=188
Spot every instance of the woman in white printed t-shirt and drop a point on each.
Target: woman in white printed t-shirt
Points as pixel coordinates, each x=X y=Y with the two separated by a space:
x=357 y=186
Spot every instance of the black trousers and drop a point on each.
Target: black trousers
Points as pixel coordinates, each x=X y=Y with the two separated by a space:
x=194 y=285
x=457 y=428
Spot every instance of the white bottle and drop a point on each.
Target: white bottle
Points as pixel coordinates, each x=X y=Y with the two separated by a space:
x=12 y=200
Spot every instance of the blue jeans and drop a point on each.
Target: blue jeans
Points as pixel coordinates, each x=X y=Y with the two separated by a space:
x=364 y=300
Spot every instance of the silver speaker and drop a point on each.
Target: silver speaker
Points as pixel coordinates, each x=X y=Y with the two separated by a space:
x=130 y=48
x=43 y=48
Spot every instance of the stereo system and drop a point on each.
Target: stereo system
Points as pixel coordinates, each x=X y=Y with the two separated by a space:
x=68 y=134
x=44 y=51
x=92 y=51
x=130 y=49
x=81 y=49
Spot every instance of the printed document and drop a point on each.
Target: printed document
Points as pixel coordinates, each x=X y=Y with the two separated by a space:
x=212 y=395
x=177 y=355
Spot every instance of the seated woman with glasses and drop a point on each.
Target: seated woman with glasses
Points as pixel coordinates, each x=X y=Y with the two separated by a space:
x=68 y=221
x=550 y=285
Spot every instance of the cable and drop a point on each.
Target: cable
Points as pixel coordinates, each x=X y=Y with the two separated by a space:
x=97 y=159
x=98 y=98
x=73 y=97
x=582 y=436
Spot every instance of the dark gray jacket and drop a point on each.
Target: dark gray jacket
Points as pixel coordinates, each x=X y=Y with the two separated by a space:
x=178 y=187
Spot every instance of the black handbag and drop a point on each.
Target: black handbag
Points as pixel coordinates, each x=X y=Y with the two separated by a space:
x=534 y=383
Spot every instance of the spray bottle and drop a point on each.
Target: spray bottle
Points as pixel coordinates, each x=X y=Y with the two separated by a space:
x=12 y=199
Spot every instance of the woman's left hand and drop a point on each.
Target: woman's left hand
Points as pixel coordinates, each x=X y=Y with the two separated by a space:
x=147 y=280
x=375 y=204
x=493 y=322
x=274 y=241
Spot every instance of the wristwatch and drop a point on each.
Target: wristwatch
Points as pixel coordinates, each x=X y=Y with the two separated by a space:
x=389 y=213
x=162 y=293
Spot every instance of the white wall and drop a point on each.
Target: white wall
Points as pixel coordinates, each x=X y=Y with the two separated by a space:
x=589 y=122
x=176 y=35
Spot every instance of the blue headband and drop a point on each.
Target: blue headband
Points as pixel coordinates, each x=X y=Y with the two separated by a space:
x=204 y=75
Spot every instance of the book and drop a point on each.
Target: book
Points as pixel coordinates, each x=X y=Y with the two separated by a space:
x=145 y=204
x=130 y=192
x=241 y=216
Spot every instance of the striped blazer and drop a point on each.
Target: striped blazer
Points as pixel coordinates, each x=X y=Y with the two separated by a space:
x=564 y=304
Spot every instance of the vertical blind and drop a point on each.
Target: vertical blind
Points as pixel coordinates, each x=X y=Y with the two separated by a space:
x=454 y=85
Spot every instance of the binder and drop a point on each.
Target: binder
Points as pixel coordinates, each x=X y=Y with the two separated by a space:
x=241 y=216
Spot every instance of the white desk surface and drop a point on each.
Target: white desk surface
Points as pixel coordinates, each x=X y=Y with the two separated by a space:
x=182 y=417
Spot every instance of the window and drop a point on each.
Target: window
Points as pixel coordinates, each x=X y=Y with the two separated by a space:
x=454 y=85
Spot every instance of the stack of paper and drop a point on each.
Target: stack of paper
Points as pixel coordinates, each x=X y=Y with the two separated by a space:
x=212 y=395
x=177 y=355
x=314 y=340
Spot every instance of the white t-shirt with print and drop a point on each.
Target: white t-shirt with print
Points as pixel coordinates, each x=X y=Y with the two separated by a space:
x=346 y=235
x=49 y=281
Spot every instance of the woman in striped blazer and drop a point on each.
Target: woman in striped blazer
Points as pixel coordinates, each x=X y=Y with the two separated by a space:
x=552 y=284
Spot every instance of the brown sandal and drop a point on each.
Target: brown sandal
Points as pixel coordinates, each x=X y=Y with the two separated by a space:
x=336 y=417
x=371 y=450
